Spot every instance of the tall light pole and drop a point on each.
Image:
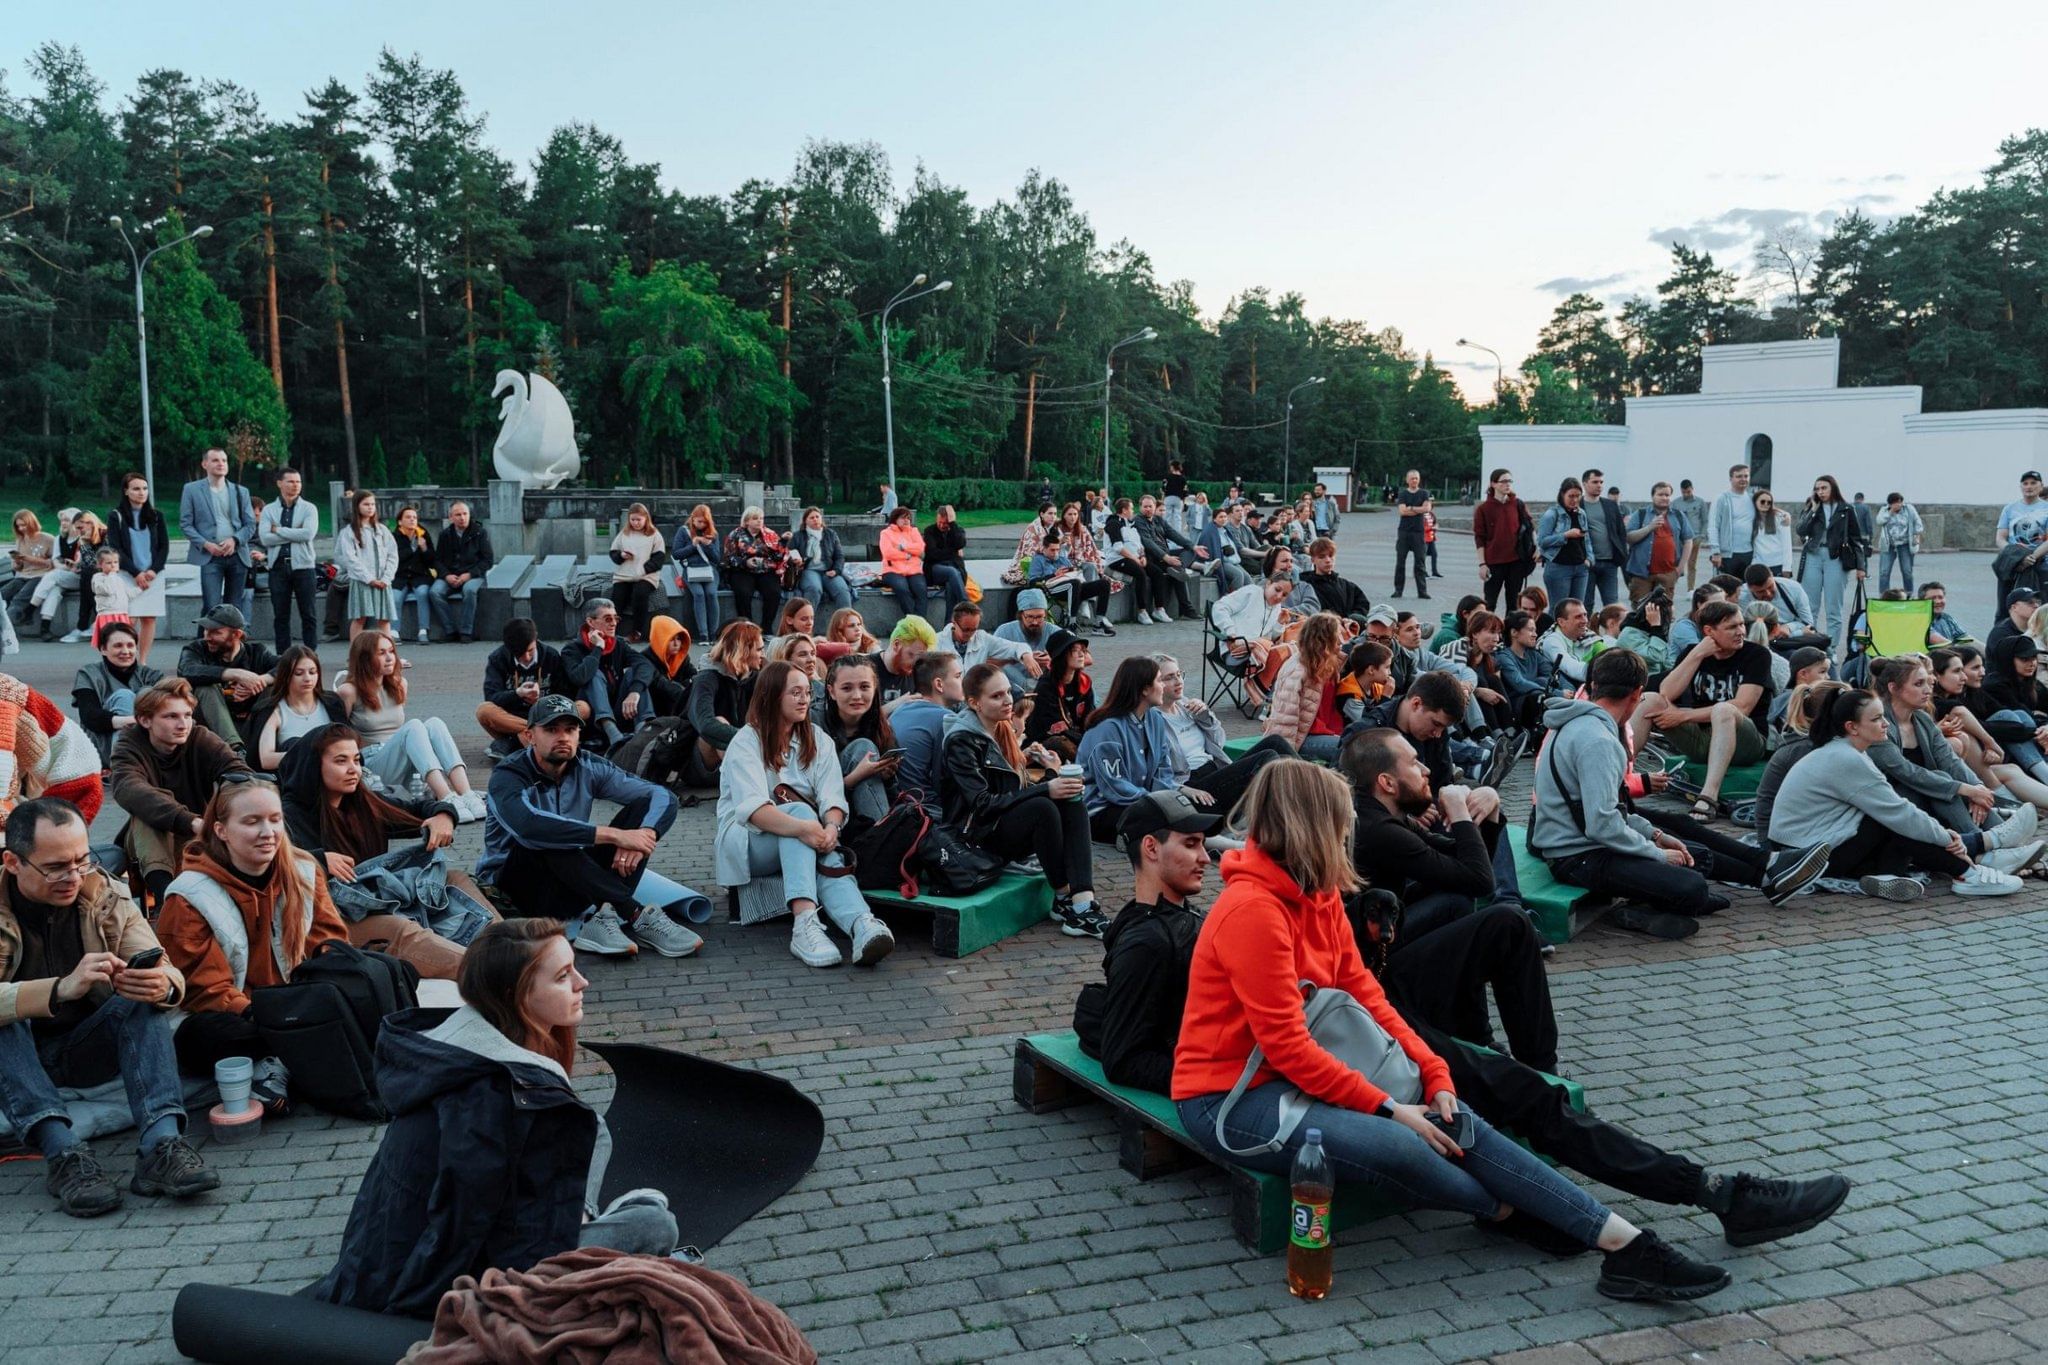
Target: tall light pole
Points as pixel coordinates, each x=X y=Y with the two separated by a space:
x=1500 y=372
x=903 y=295
x=1287 y=442
x=142 y=335
x=1108 y=379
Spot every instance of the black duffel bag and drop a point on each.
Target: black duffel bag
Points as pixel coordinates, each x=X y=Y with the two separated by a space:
x=324 y=1025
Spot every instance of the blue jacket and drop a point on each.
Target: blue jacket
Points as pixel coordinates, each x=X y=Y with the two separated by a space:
x=919 y=727
x=1551 y=527
x=1536 y=674
x=195 y=519
x=1639 y=553
x=524 y=808
x=1123 y=759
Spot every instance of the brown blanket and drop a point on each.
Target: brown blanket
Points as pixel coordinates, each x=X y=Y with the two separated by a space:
x=596 y=1305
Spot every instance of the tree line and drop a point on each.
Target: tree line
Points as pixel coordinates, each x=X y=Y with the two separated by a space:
x=375 y=261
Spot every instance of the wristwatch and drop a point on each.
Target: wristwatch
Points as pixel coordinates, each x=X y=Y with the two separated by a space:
x=1385 y=1109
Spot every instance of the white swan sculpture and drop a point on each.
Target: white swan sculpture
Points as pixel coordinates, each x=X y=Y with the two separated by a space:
x=537 y=444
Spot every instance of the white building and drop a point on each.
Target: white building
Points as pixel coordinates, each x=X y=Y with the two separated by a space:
x=1777 y=408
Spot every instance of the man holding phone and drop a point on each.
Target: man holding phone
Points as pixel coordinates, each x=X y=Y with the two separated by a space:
x=85 y=997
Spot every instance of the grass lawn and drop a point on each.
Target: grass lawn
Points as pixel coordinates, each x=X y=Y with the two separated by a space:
x=974 y=517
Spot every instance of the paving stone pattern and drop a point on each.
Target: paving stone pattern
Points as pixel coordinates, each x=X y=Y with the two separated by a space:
x=1904 y=1045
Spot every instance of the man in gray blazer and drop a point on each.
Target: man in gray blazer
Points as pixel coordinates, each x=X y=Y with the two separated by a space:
x=219 y=524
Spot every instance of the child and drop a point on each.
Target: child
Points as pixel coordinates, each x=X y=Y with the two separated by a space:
x=1429 y=543
x=1608 y=625
x=109 y=592
x=1368 y=680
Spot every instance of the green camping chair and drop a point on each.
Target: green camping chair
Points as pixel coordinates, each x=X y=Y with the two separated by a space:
x=1896 y=627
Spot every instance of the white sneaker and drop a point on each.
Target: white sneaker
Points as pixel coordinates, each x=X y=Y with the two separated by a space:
x=872 y=940
x=2017 y=829
x=1892 y=888
x=811 y=944
x=76 y=637
x=422 y=637
x=2011 y=860
x=477 y=801
x=658 y=930
x=1144 y=617
x=603 y=935
x=1985 y=881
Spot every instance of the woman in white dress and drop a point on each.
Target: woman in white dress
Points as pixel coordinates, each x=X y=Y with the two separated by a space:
x=366 y=554
x=137 y=530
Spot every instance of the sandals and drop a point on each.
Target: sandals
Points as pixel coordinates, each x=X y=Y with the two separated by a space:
x=1706 y=807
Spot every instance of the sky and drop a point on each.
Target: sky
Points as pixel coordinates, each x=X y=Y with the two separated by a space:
x=1450 y=171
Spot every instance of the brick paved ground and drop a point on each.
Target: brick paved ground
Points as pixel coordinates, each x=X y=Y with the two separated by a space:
x=942 y=1224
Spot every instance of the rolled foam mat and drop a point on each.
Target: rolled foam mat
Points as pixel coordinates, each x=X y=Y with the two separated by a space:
x=722 y=1142
x=228 y=1326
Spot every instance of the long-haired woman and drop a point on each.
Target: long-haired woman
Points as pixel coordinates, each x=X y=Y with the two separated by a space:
x=297 y=704
x=1561 y=537
x=719 y=697
x=781 y=810
x=847 y=631
x=1279 y=922
x=394 y=748
x=491 y=1161
x=332 y=814
x=138 y=531
x=366 y=554
x=851 y=716
x=1306 y=709
x=1832 y=549
x=698 y=553
x=246 y=910
x=637 y=553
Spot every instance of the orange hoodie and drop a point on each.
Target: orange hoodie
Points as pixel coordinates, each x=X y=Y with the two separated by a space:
x=1264 y=936
x=191 y=947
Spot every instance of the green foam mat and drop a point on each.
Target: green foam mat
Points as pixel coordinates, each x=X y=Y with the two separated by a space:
x=1740 y=784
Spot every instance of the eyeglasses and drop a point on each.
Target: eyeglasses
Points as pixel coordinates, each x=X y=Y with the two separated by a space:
x=65 y=872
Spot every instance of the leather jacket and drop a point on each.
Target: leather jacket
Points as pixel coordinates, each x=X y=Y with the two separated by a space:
x=976 y=786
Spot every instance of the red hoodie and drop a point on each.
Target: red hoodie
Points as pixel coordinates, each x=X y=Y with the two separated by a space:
x=1264 y=936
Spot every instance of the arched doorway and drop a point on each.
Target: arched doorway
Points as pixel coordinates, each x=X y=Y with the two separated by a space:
x=1757 y=455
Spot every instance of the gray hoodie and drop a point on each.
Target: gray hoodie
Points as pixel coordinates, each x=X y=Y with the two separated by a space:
x=1827 y=794
x=1584 y=760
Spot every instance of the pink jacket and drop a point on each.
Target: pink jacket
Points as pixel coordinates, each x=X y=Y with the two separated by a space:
x=1296 y=698
x=902 y=550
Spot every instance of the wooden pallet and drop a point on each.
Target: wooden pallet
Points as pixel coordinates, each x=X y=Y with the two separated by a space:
x=960 y=925
x=1560 y=911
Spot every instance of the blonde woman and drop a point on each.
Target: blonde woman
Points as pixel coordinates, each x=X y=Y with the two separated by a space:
x=34 y=555
x=366 y=554
x=638 y=552
x=1305 y=710
x=1279 y=922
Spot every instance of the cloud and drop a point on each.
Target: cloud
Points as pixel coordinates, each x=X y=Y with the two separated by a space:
x=1581 y=284
x=1872 y=199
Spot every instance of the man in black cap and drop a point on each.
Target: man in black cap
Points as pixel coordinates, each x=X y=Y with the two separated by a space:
x=228 y=672
x=1130 y=1022
x=2021 y=538
x=2020 y=605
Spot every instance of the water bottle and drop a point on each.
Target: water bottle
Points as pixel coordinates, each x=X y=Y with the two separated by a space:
x=1309 y=1253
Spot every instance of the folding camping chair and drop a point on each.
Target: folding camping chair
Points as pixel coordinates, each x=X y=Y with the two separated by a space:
x=1888 y=628
x=1220 y=683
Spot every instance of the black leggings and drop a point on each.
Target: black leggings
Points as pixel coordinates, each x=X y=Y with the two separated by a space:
x=634 y=597
x=1141 y=584
x=1079 y=594
x=1873 y=849
x=563 y=883
x=1227 y=784
x=746 y=585
x=1505 y=579
x=1054 y=832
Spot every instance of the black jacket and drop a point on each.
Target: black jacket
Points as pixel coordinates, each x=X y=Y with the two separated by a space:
x=302 y=792
x=483 y=1166
x=201 y=667
x=714 y=693
x=415 y=562
x=1159 y=540
x=120 y=522
x=1393 y=852
x=1130 y=1022
x=945 y=545
x=1842 y=540
x=1337 y=594
x=976 y=786
x=620 y=667
x=503 y=674
x=1054 y=703
x=671 y=696
x=824 y=553
x=464 y=551
x=1616 y=523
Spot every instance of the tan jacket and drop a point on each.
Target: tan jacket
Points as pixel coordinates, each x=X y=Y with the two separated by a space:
x=109 y=923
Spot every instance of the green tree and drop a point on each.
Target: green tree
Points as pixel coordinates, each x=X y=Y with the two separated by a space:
x=1582 y=350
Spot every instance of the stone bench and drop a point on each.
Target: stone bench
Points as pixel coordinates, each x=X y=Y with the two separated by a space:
x=1050 y=1071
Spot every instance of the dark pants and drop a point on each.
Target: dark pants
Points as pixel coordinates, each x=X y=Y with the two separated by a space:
x=1505 y=581
x=221 y=579
x=1510 y=1095
x=1404 y=546
x=746 y=585
x=1054 y=832
x=634 y=597
x=1875 y=850
x=1442 y=975
x=563 y=883
x=88 y=610
x=1141 y=584
x=950 y=580
x=1229 y=782
x=1080 y=594
x=1645 y=881
x=1167 y=585
x=120 y=1038
x=1728 y=859
x=289 y=587
x=204 y=1039
x=1736 y=563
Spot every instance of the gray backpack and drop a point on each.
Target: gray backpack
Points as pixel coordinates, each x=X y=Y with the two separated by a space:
x=1347 y=1030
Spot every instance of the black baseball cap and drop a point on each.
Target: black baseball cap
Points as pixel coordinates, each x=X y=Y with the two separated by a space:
x=1172 y=810
x=2020 y=595
x=2033 y=474
x=551 y=708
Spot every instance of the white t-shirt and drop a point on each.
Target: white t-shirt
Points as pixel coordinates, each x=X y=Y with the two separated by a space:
x=2025 y=523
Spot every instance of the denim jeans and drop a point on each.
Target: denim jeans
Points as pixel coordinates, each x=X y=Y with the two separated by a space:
x=700 y=608
x=949 y=582
x=1903 y=557
x=420 y=747
x=908 y=590
x=122 y=1037
x=2023 y=753
x=796 y=862
x=1322 y=748
x=1604 y=582
x=1825 y=581
x=418 y=599
x=1386 y=1154
x=830 y=593
x=441 y=598
x=1566 y=580
x=221 y=579
x=868 y=799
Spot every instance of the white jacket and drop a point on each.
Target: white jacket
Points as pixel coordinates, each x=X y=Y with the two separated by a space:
x=745 y=785
x=1244 y=615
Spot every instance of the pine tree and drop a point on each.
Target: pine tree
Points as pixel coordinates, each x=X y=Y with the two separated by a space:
x=417 y=475
x=377 y=472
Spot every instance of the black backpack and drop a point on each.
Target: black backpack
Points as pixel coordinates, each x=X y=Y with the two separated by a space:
x=889 y=853
x=657 y=750
x=324 y=1025
x=954 y=867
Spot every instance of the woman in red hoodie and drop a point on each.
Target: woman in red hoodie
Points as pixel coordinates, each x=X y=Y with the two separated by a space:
x=1280 y=921
x=1497 y=526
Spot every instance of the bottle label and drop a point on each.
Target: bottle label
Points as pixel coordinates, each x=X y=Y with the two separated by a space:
x=1311 y=1225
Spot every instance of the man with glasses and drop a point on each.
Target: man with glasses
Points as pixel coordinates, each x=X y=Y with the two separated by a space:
x=163 y=772
x=75 y=1013
x=606 y=674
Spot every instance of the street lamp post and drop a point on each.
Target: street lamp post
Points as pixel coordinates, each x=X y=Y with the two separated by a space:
x=903 y=295
x=142 y=335
x=1287 y=442
x=1500 y=373
x=1108 y=379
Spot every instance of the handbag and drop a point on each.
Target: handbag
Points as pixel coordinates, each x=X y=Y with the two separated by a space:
x=1347 y=1031
x=954 y=867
